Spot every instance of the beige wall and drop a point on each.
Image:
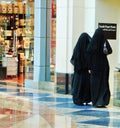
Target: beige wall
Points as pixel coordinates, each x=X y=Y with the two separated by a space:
x=108 y=11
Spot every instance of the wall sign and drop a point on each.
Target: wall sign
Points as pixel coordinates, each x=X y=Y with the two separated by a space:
x=109 y=29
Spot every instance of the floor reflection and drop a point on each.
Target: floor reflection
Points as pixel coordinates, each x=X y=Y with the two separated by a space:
x=22 y=107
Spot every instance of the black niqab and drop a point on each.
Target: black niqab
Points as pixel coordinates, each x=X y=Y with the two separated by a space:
x=99 y=66
x=79 y=54
x=80 y=80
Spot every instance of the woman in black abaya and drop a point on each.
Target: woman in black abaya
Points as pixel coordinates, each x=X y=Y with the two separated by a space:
x=80 y=79
x=98 y=50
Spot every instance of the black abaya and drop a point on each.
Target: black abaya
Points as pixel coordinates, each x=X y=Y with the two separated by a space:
x=99 y=67
x=80 y=79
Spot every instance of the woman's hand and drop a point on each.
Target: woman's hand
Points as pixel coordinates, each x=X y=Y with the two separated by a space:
x=89 y=71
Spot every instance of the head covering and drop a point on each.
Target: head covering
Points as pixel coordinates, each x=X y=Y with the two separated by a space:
x=97 y=41
x=79 y=53
x=97 y=58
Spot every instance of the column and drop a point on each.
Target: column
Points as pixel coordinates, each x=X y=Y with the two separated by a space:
x=73 y=18
x=42 y=21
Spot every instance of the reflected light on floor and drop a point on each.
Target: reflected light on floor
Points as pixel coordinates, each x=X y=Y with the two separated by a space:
x=63 y=121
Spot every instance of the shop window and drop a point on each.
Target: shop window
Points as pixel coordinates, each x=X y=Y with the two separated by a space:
x=17 y=35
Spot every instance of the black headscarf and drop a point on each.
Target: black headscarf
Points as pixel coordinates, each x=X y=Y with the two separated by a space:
x=97 y=41
x=97 y=58
x=79 y=53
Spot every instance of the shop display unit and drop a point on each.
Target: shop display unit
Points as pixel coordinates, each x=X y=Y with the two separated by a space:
x=16 y=33
x=11 y=63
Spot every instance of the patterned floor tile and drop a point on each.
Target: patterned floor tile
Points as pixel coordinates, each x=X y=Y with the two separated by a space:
x=71 y=105
x=23 y=108
x=54 y=99
x=97 y=113
x=114 y=123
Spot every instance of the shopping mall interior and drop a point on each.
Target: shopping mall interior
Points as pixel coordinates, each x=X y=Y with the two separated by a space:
x=46 y=106
x=16 y=40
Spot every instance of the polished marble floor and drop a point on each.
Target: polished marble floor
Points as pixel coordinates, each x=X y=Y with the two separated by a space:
x=22 y=107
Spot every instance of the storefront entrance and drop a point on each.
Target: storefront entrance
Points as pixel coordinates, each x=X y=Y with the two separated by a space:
x=16 y=40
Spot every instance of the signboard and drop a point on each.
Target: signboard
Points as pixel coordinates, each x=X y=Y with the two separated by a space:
x=109 y=30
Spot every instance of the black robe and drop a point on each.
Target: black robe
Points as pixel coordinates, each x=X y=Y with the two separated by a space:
x=80 y=79
x=99 y=67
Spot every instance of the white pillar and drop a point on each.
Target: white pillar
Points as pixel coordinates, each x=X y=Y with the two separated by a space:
x=73 y=18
